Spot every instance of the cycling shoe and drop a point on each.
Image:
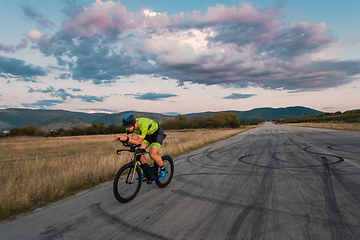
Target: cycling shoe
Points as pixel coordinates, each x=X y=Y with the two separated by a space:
x=162 y=174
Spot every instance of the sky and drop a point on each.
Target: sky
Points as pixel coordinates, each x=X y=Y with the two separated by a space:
x=179 y=56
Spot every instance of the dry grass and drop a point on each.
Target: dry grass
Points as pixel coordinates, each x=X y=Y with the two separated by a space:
x=35 y=171
x=330 y=125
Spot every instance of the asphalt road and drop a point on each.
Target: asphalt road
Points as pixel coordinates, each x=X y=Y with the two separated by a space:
x=272 y=182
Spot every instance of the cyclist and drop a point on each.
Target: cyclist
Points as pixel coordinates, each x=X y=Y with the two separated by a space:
x=150 y=134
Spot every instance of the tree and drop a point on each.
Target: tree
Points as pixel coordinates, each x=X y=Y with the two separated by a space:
x=28 y=131
x=15 y=132
x=100 y=128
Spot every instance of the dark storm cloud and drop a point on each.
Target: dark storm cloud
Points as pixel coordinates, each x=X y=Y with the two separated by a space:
x=245 y=46
x=15 y=68
x=154 y=96
x=235 y=96
x=31 y=14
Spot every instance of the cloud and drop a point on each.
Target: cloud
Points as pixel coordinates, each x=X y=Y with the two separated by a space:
x=64 y=76
x=72 y=8
x=89 y=98
x=48 y=90
x=237 y=46
x=61 y=93
x=99 y=110
x=154 y=96
x=235 y=96
x=12 y=48
x=42 y=103
x=76 y=90
x=6 y=48
x=15 y=68
x=30 y=14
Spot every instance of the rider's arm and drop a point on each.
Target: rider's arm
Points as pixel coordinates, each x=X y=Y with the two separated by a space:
x=124 y=138
x=130 y=139
x=135 y=141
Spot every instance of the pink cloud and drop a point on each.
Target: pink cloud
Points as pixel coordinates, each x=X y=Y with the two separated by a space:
x=237 y=45
x=38 y=38
x=102 y=18
x=6 y=48
x=105 y=18
x=12 y=48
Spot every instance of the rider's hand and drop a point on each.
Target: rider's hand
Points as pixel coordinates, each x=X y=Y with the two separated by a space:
x=121 y=138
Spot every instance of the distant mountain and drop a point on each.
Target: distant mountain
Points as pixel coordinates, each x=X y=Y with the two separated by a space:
x=265 y=114
x=66 y=123
x=19 y=117
x=54 y=119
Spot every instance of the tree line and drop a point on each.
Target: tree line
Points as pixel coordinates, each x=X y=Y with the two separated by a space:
x=93 y=129
x=217 y=120
x=347 y=117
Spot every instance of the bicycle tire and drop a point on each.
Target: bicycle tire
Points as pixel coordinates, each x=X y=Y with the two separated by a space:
x=169 y=164
x=124 y=191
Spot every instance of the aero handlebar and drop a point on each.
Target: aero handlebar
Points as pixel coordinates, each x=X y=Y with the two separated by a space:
x=127 y=144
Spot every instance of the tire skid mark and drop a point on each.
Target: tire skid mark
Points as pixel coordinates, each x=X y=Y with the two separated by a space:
x=284 y=214
x=210 y=220
x=239 y=221
x=332 y=147
x=339 y=226
x=53 y=233
x=221 y=204
x=98 y=211
x=256 y=212
x=266 y=188
x=208 y=199
x=352 y=187
x=259 y=206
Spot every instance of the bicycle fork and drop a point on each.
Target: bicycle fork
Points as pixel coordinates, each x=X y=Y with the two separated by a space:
x=133 y=171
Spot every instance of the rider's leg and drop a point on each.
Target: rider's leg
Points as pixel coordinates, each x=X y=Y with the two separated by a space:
x=154 y=156
x=142 y=157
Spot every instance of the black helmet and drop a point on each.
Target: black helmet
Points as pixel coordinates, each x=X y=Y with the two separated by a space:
x=129 y=119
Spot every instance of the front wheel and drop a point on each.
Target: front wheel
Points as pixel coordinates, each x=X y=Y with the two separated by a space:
x=127 y=183
x=169 y=164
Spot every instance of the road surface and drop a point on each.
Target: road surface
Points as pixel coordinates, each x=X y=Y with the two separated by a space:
x=272 y=182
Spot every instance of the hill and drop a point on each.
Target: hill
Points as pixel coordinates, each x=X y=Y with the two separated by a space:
x=265 y=114
x=19 y=117
x=66 y=123
x=54 y=119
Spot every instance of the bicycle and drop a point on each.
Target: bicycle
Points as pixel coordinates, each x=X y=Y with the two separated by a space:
x=128 y=179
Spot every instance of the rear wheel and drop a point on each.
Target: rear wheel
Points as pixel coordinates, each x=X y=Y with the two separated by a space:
x=169 y=164
x=127 y=183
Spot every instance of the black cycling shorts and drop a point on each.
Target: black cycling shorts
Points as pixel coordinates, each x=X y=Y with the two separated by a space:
x=155 y=139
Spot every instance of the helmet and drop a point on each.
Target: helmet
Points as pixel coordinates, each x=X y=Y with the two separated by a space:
x=129 y=119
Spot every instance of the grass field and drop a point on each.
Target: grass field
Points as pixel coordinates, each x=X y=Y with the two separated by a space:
x=35 y=171
x=330 y=125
